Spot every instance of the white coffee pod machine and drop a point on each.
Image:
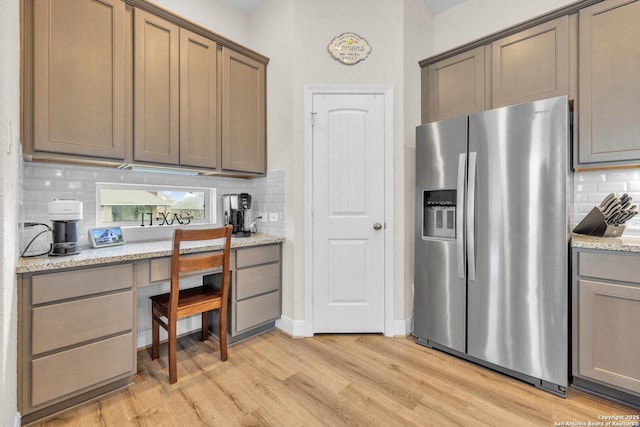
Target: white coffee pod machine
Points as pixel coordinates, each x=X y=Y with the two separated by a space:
x=65 y=214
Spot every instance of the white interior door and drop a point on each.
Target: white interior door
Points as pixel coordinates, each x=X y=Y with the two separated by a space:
x=348 y=212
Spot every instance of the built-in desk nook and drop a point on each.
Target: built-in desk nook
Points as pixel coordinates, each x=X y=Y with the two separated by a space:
x=82 y=318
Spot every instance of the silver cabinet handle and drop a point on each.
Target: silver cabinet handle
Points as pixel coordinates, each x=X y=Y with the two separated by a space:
x=471 y=217
x=377 y=226
x=462 y=176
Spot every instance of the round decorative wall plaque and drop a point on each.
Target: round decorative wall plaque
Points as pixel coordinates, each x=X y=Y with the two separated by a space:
x=349 y=48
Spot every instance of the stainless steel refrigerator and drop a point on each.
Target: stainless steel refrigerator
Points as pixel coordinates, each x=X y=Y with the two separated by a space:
x=492 y=231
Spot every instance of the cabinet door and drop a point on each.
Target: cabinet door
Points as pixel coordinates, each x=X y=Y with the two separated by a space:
x=78 y=73
x=156 y=79
x=531 y=65
x=64 y=374
x=608 y=334
x=455 y=86
x=198 y=101
x=243 y=113
x=609 y=92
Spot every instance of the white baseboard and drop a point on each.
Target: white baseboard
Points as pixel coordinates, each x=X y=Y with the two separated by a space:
x=295 y=328
x=17 y=420
x=403 y=328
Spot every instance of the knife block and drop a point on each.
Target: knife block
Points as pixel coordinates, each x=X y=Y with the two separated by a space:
x=595 y=224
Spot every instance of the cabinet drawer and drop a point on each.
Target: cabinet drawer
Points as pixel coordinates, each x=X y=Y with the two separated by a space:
x=257 y=280
x=69 y=371
x=59 y=325
x=257 y=255
x=625 y=268
x=77 y=283
x=256 y=311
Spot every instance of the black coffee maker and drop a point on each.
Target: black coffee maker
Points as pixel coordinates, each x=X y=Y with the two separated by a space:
x=235 y=208
x=64 y=215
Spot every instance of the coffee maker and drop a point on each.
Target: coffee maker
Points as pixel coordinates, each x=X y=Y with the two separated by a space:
x=65 y=214
x=235 y=208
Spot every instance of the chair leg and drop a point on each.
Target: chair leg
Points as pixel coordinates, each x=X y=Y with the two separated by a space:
x=223 y=335
x=155 y=337
x=173 y=368
x=205 y=326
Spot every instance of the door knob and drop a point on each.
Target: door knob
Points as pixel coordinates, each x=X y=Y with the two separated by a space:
x=377 y=226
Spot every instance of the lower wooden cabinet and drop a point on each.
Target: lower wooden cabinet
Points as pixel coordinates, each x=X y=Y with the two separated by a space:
x=77 y=337
x=606 y=307
x=255 y=288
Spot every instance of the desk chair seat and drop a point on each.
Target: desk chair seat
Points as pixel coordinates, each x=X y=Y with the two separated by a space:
x=178 y=304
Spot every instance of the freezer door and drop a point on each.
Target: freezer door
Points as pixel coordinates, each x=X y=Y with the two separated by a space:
x=439 y=292
x=518 y=300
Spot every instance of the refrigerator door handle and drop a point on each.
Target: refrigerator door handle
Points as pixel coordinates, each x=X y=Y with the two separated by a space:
x=471 y=217
x=462 y=167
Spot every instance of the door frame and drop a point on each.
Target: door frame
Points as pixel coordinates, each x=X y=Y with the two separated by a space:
x=387 y=92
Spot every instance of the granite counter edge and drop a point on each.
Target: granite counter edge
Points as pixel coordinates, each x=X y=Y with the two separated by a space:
x=616 y=244
x=128 y=252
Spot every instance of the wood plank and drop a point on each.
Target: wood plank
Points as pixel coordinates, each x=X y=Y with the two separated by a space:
x=273 y=379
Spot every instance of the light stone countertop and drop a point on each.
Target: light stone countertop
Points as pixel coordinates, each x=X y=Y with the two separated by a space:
x=134 y=251
x=621 y=244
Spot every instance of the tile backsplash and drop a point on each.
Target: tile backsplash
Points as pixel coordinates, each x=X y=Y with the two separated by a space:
x=42 y=182
x=590 y=187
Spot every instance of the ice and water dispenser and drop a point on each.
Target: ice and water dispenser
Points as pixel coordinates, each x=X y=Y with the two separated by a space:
x=439 y=213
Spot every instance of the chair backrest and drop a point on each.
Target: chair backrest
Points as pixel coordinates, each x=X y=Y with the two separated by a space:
x=181 y=263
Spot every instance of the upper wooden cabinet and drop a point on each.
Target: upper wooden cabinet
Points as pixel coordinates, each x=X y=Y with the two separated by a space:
x=455 y=86
x=525 y=66
x=78 y=74
x=198 y=101
x=175 y=94
x=530 y=65
x=243 y=113
x=156 y=112
x=125 y=81
x=609 y=89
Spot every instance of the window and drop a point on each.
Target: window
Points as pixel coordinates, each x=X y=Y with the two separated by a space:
x=133 y=205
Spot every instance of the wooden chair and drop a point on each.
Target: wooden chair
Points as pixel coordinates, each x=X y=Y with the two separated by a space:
x=178 y=304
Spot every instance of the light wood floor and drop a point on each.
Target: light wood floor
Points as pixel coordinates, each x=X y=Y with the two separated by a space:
x=331 y=380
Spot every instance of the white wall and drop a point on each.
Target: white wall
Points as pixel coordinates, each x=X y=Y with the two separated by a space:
x=418 y=44
x=273 y=36
x=218 y=16
x=9 y=161
x=315 y=24
x=475 y=19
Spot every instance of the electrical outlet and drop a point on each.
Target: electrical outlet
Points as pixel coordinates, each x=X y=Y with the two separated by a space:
x=273 y=216
x=263 y=216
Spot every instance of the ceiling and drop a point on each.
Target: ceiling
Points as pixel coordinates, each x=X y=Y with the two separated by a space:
x=435 y=6
x=439 y=6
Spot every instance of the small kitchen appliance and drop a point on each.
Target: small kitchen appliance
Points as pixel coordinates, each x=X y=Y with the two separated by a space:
x=235 y=208
x=65 y=214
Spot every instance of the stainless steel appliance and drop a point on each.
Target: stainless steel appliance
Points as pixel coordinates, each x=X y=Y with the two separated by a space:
x=491 y=275
x=64 y=215
x=235 y=208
